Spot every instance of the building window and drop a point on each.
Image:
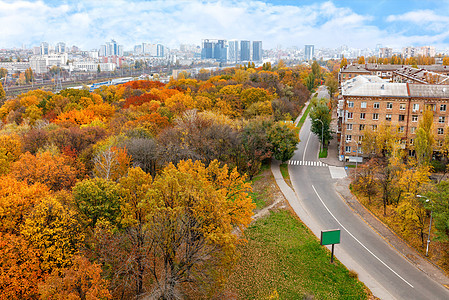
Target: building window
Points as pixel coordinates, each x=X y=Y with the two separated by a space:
x=412 y=141
x=351 y=104
x=443 y=107
x=388 y=117
x=389 y=105
x=376 y=104
x=374 y=127
x=349 y=115
x=440 y=131
x=412 y=129
x=361 y=127
x=348 y=149
x=415 y=107
x=402 y=106
x=348 y=138
x=414 y=118
x=362 y=116
x=441 y=119
x=348 y=126
x=360 y=138
x=375 y=116
x=401 y=129
x=401 y=117
x=362 y=104
x=440 y=143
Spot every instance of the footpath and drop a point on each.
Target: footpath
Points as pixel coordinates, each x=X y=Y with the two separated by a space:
x=342 y=188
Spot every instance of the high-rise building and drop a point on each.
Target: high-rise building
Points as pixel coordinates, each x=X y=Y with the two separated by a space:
x=257 y=51
x=309 y=51
x=245 y=50
x=385 y=52
x=214 y=49
x=160 y=50
x=111 y=49
x=233 y=51
x=60 y=48
x=44 y=48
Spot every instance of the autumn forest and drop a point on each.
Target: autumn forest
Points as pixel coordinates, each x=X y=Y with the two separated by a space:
x=140 y=189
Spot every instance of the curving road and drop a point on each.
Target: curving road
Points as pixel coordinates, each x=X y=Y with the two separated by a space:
x=387 y=273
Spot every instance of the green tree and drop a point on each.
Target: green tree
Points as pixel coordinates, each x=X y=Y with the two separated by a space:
x=332 y=85
x=284 y=140
x=316 y=70
x=98 y=199
x=321 y=116
x=3 y=73
x=29 y=76
x=439 y=204
x=98 y=68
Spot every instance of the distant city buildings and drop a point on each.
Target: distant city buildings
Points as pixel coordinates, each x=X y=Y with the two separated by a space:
x=231 y=51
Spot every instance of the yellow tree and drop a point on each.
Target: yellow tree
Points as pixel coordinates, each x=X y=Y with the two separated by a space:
x=2 y=92
x=361 y=60
x=55 y=231
x=343 y=62
x=193 y=213
x=425 y=139
x=10 y=150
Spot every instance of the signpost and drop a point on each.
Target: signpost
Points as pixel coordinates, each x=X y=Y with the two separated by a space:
x=330 y=237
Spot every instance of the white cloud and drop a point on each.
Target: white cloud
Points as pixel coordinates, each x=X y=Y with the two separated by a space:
x=419 y=17
x=89 y=24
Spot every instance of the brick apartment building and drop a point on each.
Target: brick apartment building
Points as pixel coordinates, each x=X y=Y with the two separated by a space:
x=369 y=100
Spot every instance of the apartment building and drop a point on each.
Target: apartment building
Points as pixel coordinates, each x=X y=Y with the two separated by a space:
x=368 y=100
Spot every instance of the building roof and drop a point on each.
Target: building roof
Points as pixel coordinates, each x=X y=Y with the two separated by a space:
x=380 y=67
x=374 y=86
x=429 y=91
x=364 y=85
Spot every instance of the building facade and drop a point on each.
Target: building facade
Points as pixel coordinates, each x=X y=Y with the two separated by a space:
x=369 y=101
x=245 y=50
x=257 y=51
x=309 y=52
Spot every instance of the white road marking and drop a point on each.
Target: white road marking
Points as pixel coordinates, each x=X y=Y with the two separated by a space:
x=369 y=251
x=305 y=148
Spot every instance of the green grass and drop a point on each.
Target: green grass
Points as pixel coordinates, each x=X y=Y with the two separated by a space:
x=304 y=116
x=282 y=257
x=284 y=171
x=323 y=153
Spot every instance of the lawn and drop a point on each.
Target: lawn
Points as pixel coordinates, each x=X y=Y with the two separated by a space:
x=284 y=260
x=304 y=116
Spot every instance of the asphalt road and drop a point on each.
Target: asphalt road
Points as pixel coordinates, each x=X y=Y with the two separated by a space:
x=387 y=273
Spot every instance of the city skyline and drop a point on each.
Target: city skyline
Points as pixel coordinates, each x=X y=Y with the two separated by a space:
x=360 y=24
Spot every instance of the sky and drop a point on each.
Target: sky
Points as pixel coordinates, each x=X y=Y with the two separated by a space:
x=277 y=23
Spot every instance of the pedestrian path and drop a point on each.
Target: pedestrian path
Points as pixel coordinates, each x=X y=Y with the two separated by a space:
x=307 y=163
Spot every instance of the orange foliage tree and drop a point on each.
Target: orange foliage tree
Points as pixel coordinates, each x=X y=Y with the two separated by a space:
x=50 y=169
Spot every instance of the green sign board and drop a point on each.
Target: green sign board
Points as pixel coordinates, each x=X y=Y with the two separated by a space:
x=330 y=237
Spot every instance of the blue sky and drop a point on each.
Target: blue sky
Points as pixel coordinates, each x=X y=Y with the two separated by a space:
x=359 y=24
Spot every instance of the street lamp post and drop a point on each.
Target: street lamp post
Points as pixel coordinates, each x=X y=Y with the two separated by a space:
x=430 y=224
x=322 y=133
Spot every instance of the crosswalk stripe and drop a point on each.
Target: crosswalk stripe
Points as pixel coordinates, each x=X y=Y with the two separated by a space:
x=307 y=163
